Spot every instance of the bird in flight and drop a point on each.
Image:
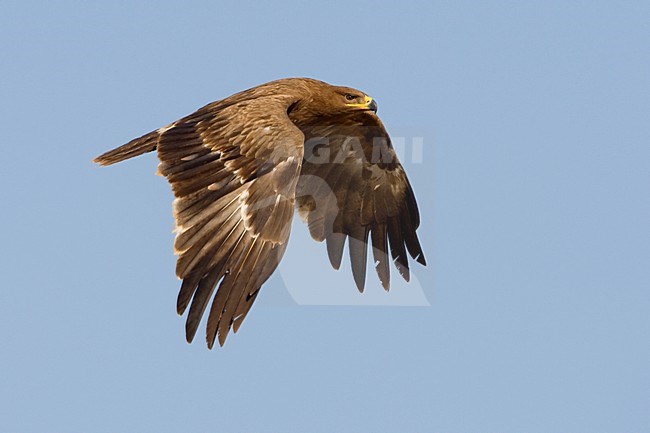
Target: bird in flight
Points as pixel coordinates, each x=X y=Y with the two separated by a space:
x=239 y=166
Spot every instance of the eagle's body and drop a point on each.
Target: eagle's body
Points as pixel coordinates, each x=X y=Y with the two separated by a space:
x=239 y=166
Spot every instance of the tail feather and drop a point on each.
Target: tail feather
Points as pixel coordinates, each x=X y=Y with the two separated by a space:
x=138 y=146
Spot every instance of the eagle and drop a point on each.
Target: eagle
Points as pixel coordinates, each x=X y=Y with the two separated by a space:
x=238 y=168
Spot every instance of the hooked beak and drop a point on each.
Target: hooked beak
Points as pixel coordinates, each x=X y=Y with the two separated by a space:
x=367 y=104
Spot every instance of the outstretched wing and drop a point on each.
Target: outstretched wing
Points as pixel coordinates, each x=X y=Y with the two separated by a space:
x=233 y=168
x=353 y=187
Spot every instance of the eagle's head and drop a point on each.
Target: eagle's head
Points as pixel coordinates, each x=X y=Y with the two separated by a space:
x=325 y=101
x=348 y=99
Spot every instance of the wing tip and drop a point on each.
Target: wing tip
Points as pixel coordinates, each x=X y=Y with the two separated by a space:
x=403 y=269
x=191 y=326
x=335 y=243
x=336 y=265
x=220 y=338
x=188 y=337
x=180 y=307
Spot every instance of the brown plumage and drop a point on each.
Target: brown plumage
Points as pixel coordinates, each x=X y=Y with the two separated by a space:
x=239 y=166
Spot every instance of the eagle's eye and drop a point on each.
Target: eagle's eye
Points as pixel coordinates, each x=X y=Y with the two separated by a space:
x=350 y=97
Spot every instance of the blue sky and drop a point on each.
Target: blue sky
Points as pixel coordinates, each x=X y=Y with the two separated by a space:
x=533 y=188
